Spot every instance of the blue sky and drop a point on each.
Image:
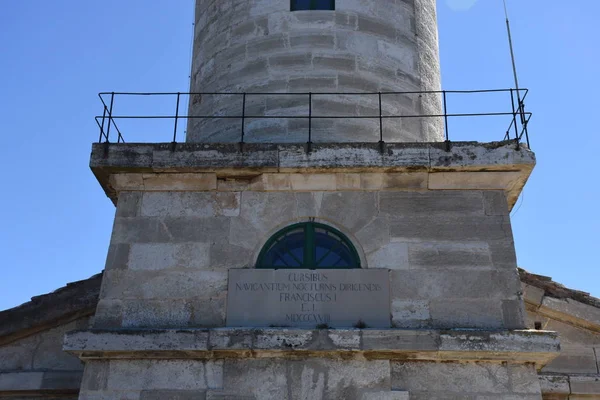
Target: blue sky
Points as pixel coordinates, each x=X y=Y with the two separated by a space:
x=56 y=56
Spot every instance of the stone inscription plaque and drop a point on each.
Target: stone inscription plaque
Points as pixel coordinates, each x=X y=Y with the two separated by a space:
x=307 y=298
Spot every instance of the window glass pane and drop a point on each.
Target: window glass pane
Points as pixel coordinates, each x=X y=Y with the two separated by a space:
x=313 y=5
x=287 y=251
x=331 y=251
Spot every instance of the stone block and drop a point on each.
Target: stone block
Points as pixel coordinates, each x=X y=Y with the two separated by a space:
x=127 y=182
x=139 y=230
x=180 y=182
x=190 y=229
x=410 y=313
x=62 y=380
x=432 y=203
x=495 y=202
x=129 y=204
x=450 y=378
x=266 y=211
x=454 y=284
x=337 y=206
x=573 y=359
x=524 y=379
x=109 y=314
x=393 y=256
x=173 y=395
x=156 y=313
x=163 y=256
x=190 y=204
x=532 y=294
x=471 y=313
x=503 y=253
x=513 y=312
x=308 y=204
x=445 y=255
x=208 y=312
x=312 y=182
x=473 y=180
x=271 y=182
x=449 y=228
x=165 y=374
x=555 y=384
x=400 y=340
x=336 y=62
x=374 y=235
x=241 y=377
x=118 y=256
x=573 y=309
x=588 y=385
x=180 y=284
x=20 y=381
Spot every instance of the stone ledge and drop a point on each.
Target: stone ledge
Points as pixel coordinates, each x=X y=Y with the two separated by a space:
x=467 y=165
x=538 y=347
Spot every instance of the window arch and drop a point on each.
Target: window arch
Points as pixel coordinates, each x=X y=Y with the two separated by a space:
x=298 y=5
x=308 y=245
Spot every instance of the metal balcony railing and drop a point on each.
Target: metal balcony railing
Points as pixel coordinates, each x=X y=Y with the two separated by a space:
x=517 y=128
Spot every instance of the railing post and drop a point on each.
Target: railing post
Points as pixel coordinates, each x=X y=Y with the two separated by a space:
x=381 y=142
x=112 y=101
x=512 y=103
x=176 y=121
x=243 y=121
x=309 y=143
x=446 y=122
x=102 y=126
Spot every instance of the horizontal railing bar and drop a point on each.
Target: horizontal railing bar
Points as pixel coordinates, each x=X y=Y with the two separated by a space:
x=307 y=93
x=306 y=116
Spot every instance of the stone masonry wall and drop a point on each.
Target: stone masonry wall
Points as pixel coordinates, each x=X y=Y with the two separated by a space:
x=363 y=46
x=36 y=365
x=314 y=379
x=450 y=253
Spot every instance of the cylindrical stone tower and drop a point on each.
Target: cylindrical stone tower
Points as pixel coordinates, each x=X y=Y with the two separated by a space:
x=363 y=46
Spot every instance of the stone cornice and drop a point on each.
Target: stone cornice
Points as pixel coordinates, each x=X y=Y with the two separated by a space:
x=405 y=166
x=537 y=347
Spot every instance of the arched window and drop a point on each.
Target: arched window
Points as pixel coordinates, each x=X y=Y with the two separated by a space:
x=308 y=245
x=298 y=5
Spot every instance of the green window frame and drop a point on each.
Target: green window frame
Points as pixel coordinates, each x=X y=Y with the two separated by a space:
x=299 y=5
x=308 y=245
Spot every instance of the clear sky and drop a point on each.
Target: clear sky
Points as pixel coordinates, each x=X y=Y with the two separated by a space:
x=55 y=56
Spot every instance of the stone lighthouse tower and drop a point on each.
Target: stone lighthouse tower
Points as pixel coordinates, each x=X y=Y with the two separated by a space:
x=320 y=47
x=314 y=237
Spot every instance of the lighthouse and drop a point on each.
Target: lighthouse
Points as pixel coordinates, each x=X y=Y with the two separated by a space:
x=316 y=235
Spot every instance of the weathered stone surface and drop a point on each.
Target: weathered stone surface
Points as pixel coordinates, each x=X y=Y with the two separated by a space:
x=432 y=203
x=393 y=255
x=428 y=255
x=585 y=385
x=164 y=256
x=460 y=313
x=555 y=384
x=165 y=374
x=458 y=285
x=518 y=346
x=454 y=381
x=406 y=166
x=574 y=359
